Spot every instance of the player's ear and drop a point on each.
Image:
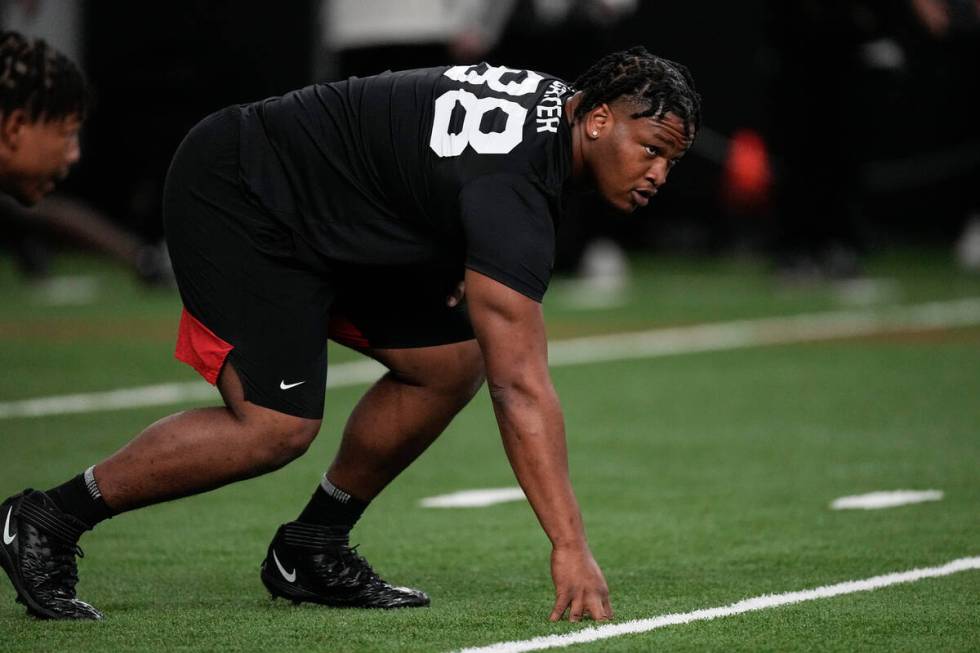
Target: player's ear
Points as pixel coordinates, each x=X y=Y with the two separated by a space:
x=11 y=126
x=598 y=119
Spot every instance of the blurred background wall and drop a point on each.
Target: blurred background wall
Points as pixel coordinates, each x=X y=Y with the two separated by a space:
x=832 y=129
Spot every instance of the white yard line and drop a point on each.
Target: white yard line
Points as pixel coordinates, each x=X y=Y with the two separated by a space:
x=163 y=394
x=150 y=395
x=765 y=331
x=474 y=498
x=622 y=346
x=754 y=604
x=76 y=290
x=885 y=499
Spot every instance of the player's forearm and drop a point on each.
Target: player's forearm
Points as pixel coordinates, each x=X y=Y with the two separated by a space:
x=533 y=432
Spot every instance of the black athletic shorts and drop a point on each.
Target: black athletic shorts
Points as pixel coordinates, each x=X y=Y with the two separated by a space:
x=257 y=295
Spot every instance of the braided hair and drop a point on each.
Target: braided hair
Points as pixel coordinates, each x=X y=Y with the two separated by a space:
x=654 y=84
x=40 y=80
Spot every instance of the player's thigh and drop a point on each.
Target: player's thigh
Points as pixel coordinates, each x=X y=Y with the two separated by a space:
x=401 y=318
x=276 y=428
x=452 y=368
x=398 y=307
x=266 y=317
x=249 y=297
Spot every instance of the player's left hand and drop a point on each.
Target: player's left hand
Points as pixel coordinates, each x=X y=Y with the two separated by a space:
x=457 y=295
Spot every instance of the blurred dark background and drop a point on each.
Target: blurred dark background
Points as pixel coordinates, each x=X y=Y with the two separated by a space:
x=832 y=129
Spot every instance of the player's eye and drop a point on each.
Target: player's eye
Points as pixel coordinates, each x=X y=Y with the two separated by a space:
x=652 y=150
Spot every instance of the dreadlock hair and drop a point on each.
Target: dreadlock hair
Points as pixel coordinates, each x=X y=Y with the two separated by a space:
x=40 y=80
x=654 y=84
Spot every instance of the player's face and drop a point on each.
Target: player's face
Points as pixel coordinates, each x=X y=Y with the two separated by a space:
x=40 y=155
x=631 y=158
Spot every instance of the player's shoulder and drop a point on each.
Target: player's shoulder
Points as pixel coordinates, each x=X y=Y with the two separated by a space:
x=486 y=79
x=497 y=86
x=496 y=120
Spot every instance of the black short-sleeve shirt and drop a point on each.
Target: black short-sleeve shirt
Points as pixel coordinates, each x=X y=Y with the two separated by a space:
x=443 y=167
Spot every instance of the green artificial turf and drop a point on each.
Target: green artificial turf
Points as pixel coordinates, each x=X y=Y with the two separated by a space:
x=704 y=479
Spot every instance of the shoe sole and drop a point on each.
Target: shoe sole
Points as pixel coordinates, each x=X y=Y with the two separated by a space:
x=297 y=595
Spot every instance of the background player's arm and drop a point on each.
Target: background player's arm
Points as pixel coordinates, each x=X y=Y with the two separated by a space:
x=510 y=330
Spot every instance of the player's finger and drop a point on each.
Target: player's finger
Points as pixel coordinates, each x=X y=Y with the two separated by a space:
x=560 y=604
x=607 y=606
x=596 y=609
x=578 y=606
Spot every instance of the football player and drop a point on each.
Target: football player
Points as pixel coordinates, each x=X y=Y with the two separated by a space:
x=411 y=216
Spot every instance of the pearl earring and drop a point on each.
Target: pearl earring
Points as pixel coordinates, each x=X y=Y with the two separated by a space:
x=595 y=133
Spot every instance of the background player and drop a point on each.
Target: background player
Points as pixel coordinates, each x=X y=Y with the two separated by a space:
x=42 y=106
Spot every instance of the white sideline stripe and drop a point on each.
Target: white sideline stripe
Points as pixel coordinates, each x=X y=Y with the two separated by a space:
x=474 y=498
x=593 y=349
x=885 y=499
x=763 y=602
x=163 y=394
x=150 y=395
x=765 y=331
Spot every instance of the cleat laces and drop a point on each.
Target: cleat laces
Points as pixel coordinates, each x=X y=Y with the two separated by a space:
x=345 y=568
x=63 y=576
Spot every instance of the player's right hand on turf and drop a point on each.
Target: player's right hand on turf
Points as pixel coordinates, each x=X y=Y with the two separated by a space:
x=580 y=587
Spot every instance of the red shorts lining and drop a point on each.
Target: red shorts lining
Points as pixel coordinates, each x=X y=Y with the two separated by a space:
x=200 y=348
x=342 y=330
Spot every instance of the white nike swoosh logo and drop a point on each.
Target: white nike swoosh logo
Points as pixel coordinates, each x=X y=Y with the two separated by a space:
x=7 y=537
x=286 y=386
x=289 y=576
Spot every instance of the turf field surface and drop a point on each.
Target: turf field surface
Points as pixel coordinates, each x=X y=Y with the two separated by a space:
x=705 y=478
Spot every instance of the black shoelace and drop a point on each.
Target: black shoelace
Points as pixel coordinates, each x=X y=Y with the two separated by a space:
x=344 y=567
x=64 y=569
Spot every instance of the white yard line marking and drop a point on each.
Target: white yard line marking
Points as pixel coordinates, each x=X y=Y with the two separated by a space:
x=890 y=499
x=150 y=395
x=344 y=374
x=765 y=331
x=763 y=602
x=594 y=349
x=474 y=498
x=76 y=290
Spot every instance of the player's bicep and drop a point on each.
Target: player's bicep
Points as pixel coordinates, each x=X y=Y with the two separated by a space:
x=510 y=329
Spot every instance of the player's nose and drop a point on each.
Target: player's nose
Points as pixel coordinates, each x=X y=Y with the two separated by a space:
x=657 y=172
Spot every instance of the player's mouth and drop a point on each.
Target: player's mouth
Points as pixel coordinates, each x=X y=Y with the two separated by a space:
x=641 y=197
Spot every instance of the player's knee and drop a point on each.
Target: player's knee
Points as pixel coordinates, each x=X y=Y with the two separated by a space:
x=460 y=376
x=470 y=373
x=284 y=439
x=296 y=437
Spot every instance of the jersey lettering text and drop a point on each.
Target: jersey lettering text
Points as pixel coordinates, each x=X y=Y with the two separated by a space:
x=447 y=144
x=549 y=110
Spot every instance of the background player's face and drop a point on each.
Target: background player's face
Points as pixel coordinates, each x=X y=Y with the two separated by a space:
x=631 y=157
x=37 y=155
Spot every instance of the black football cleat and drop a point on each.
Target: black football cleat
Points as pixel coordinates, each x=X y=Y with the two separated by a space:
x=38 y=554
x=309 y=563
